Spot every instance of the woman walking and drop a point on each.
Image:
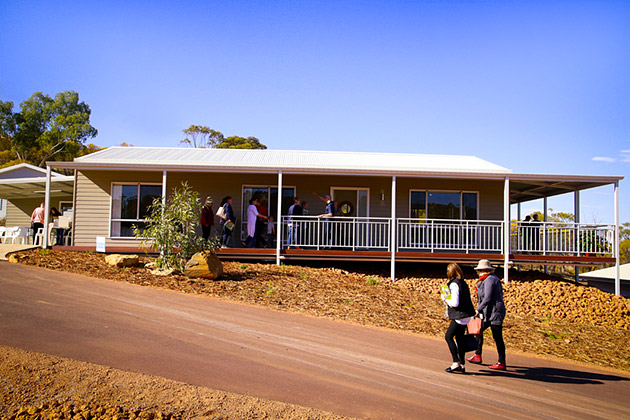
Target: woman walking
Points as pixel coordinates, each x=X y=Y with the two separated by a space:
x=228 y=216
x=492 y=308
x=456 y=295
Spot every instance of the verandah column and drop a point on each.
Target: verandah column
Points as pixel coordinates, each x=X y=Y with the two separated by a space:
x=392 y=245
x=576 y=216
x=279 y=219
x=617 y=282
x=163 y=188
x=46 y=209
x=506 y=229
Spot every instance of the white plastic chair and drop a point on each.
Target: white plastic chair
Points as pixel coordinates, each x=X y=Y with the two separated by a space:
x=13 y=234
x=39 y=237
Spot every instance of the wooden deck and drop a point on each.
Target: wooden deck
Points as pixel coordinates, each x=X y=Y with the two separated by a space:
x=269 y=254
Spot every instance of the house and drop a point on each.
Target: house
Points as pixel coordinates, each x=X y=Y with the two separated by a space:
x=393 y=206
x=604 y=279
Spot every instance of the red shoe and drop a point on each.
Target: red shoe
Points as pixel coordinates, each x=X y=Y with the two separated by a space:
x=475 y=359
x=497 y=366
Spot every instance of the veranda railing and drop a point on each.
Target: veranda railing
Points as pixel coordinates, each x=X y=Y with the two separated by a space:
x=562 y=238
x=432 y=235
x=353 y=233
x=439 y=235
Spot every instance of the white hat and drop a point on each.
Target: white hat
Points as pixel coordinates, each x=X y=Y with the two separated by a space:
x=484 y=265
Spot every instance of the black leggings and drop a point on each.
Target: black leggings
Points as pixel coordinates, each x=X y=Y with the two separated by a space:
x=454 y=332
x=497 y=334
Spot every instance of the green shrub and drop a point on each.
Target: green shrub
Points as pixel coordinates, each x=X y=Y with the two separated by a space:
x=170 y=228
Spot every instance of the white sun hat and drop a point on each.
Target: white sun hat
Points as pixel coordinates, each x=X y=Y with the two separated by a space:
x=484 y=265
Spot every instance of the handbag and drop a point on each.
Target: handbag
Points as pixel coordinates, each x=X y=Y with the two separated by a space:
x=221 y=212
x=230 y=225
x=475 y=326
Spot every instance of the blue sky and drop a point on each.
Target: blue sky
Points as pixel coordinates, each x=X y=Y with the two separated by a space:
x=536 y=86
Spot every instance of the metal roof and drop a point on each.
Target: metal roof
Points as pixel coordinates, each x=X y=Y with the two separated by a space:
x=608 y=273
x=523 y=187
x=290 y=161
x=28 y=181
x=35 y=187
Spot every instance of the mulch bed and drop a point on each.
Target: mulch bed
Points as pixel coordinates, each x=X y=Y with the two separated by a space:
x=546 y=315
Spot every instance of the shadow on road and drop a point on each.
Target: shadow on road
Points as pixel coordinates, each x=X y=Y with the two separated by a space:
x=552 y=375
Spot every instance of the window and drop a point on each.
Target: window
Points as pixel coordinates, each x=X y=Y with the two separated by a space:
x=450 y=205
x=268 y=197
x=130 y=205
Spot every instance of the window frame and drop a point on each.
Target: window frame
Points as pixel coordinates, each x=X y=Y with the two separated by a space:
x=245 y=204
x=112 y=220
x=426 y=191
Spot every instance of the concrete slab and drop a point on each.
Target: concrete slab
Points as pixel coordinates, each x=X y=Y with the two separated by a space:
x=6 y=249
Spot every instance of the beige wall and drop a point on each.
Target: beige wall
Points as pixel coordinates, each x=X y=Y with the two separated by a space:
x=93 y=202
x=94 y=189
x=19 y=210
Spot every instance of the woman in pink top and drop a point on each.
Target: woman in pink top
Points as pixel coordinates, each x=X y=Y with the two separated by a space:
x=37 y=220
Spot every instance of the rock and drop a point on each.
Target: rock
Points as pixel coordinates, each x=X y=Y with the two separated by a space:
x=204 y=264
x=122 y=260
x=165 y=272
x=16 y=258
x=151 y=265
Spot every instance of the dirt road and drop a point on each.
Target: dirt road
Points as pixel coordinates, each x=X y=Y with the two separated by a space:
x=334 y=366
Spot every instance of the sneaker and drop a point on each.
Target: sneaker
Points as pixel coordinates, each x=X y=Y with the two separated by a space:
x=475 y=359
x=497 y=366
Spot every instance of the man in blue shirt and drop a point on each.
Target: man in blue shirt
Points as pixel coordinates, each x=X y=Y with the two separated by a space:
x=328 y=213
x=294 y=225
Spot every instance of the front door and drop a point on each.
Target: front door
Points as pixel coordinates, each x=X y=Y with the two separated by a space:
x=350 y=203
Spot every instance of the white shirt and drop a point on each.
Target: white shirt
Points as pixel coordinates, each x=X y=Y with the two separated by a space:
x=252 y=215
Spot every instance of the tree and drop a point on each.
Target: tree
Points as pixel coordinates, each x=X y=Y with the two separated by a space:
x=235 y=142
x=45 y=129
x=201 y=136
x=624 y=231
x=170 y=228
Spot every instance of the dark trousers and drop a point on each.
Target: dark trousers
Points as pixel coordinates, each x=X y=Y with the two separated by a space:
x=227 y=233
x=497 y=334
x=36 y=227
x=456 y=332
x=259 y=241
x=205 y=231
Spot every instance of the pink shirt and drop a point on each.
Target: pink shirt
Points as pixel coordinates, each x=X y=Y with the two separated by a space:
x=38 y=215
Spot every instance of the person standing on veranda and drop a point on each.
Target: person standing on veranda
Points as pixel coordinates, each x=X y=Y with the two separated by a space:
x=207 y=219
